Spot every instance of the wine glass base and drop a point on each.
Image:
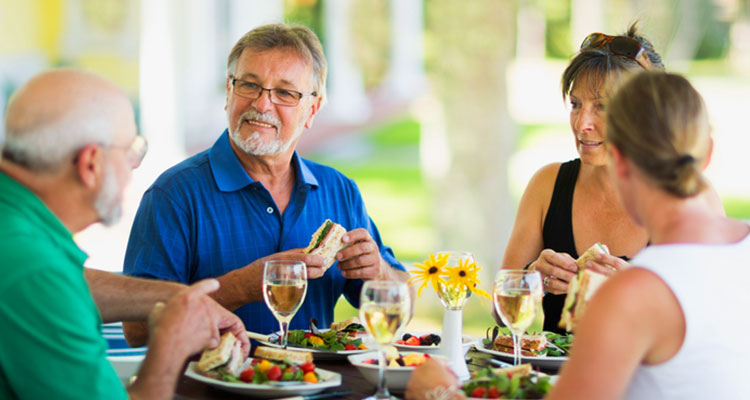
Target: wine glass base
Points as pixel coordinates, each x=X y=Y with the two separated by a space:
x=375 y=397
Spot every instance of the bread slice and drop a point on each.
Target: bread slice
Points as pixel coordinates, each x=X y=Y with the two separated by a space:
x=520 y=370
x=277 y=354
x=219 y=355
x=326 y=242
x=528 y=342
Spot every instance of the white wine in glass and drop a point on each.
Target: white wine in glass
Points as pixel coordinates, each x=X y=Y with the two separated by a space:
x=284 y=290
x=517 y=295
x=384 y=307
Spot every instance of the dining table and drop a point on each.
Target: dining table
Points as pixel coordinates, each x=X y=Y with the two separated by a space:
x=353 y=384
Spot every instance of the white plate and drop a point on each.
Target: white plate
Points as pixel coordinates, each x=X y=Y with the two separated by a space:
x=395 y=377
x=323 y=355
x=328 y=379
x=468 y=341
x=540 y=361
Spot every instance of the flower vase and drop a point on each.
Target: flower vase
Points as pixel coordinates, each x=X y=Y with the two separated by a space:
x=451 y=345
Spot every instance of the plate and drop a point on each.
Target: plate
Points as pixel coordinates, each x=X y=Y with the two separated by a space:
x=468 y=341
x=328 y=379
x=540 y=361
x=319 y=354
x=396 y=378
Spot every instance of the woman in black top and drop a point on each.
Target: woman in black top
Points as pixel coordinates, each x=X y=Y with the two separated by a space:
x=567 y=207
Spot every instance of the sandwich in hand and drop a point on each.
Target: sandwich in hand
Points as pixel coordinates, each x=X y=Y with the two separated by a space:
x=224 y=359
x=581 y=288
x=531 y=345
x=326 y=242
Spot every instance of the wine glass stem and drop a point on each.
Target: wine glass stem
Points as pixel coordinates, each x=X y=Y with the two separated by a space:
x=382 y=388
x=516 y=349
x=284 y=333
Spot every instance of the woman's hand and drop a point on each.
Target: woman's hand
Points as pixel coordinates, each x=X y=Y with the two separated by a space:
x=607 y=264
x=557 y=269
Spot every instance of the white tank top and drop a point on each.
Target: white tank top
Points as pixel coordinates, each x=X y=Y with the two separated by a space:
x=712 y=285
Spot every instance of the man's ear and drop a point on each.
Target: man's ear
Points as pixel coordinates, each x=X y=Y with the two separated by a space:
x=314 y=107
x=89 y=165
x=229 y=92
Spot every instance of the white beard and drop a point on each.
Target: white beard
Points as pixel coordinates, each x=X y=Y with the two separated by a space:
x=108 y=202
x=254 y=145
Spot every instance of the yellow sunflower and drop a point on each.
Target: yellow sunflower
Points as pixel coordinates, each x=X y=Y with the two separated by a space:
x=466 y=275
x=429 y=272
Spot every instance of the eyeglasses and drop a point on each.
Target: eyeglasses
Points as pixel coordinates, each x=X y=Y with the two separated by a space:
x=620 y=45
x=136 y=150
x=282 y=97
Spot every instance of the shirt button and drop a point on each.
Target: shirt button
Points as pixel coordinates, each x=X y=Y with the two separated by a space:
x=269 y=210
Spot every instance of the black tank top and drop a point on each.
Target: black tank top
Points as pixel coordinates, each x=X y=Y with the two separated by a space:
x=557 y=234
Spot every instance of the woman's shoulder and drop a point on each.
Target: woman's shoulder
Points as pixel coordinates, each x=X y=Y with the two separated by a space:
x=544 y=178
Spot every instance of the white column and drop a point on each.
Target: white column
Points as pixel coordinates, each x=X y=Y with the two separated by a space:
x=406 y=76
x=587 y=16
x=346 y=93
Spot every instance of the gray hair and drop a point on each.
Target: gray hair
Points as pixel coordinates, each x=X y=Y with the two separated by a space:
x=44 y=144
x=282 y=36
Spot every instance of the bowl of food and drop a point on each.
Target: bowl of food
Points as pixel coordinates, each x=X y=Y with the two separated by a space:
x=428 y=342
x=398 y=369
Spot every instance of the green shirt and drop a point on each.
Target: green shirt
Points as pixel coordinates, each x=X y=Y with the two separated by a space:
x=50 y=345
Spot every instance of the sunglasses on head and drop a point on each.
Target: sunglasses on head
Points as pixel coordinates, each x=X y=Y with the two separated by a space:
x=620 y=45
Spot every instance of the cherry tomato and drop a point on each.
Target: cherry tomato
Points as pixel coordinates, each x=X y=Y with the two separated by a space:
x=274 y=373
x=479 y=391
x=493 y=393
x=350 y=347
x=307 y=367
x=247 y=375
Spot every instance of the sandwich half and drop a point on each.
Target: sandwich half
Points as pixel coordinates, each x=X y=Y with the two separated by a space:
x=581 y=288
x=326 y=242
x=227 y=355
x=531 y=345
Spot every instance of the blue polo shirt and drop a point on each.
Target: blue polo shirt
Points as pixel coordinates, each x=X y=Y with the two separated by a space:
x=206 y=216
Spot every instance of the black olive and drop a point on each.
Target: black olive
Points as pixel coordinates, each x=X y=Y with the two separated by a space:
x=406 y=336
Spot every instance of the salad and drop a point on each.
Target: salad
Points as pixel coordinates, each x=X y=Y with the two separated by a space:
x=261 y=371
x=328 y=340
x=486 y=383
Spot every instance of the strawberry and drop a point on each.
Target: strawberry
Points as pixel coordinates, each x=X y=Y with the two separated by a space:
x=413 y=341
x=274 y=373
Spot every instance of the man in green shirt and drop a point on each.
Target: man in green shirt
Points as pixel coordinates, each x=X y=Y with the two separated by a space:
x=70 y=146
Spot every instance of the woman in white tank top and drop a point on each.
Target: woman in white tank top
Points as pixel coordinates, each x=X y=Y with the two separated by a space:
x=672 y=326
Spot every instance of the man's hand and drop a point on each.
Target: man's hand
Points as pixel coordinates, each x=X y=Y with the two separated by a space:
x=429 y=377
x=314 y=262
x=189 y=322
x=361 y=259
x=557 y=269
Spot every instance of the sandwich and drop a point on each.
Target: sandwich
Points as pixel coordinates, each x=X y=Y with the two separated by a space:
x=581 y=288
x=226 y=358
x=326 y=242
x=288 y=356
x=531 y=345
x=350 y=325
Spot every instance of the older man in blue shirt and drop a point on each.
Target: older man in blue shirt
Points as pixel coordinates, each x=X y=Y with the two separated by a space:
x=224 y=212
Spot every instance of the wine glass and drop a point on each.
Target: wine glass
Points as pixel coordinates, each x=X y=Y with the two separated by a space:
x=517 y=296
x=384 y=307
x=284 y=290
x=454 y=298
